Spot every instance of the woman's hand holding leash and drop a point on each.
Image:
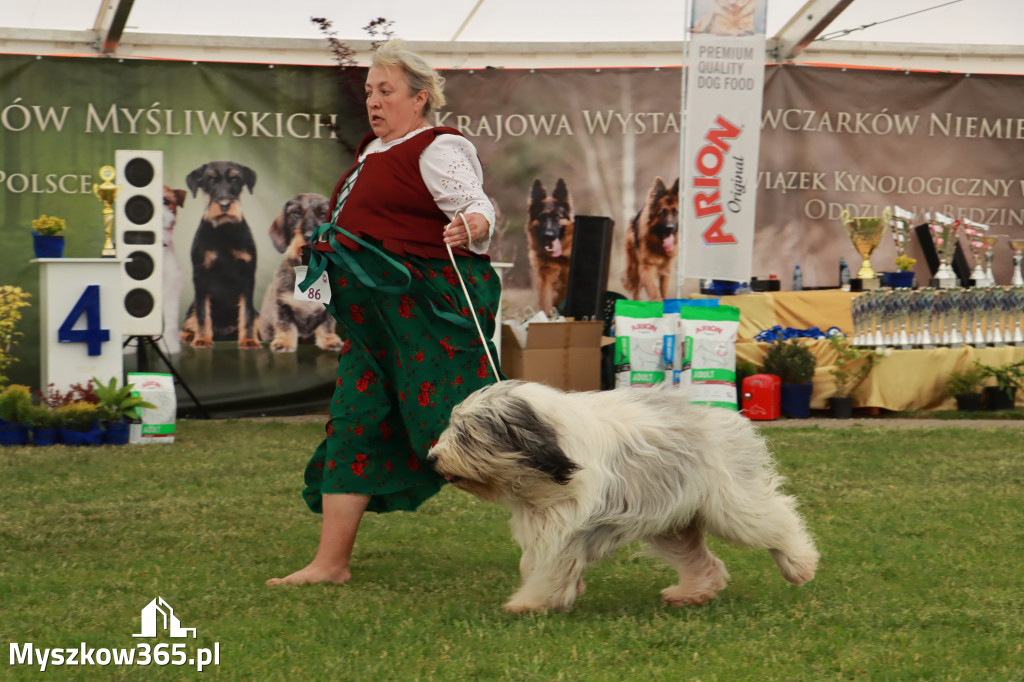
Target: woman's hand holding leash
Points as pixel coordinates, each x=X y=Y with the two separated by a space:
x=455 y=231
x=458 y=233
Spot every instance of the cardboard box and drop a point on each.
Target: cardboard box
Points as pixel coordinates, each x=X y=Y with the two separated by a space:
x=566 y=355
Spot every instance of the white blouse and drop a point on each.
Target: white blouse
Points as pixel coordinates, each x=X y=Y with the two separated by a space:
x=452 y=172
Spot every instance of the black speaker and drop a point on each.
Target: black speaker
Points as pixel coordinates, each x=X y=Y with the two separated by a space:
x=588 y=266
x=139 y=226
x=931 y=256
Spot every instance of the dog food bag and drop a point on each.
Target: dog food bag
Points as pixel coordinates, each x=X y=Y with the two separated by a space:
x=709 y=356
x=674 y=349
x=157 y=424
x=639 y=343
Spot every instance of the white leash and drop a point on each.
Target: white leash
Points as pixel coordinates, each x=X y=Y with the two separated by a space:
x=480 y=331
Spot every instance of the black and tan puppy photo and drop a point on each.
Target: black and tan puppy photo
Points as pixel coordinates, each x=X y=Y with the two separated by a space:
x=223 y=260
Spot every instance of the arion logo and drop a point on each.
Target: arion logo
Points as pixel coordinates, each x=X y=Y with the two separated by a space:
x=159 y=614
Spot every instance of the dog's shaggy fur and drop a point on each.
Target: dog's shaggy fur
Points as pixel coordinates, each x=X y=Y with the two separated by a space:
x=586 y=473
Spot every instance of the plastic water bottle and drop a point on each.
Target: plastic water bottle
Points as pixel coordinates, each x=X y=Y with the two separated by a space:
x=844 y=275
x=798 y=279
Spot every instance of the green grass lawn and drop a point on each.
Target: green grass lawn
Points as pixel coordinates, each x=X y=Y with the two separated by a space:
x=921 y=533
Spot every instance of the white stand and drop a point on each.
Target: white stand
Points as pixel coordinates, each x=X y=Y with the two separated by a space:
x=94 y=349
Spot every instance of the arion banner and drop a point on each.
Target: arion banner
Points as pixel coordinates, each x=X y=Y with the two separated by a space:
x=829 y=139
x=724 y=84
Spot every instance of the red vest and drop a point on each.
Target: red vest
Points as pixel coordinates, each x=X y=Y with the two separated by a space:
x=390 y=202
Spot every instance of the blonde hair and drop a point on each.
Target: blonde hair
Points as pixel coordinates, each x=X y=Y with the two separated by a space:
x=418 y=73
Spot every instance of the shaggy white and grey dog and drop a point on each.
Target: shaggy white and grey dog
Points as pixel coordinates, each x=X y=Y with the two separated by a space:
x=586 y=473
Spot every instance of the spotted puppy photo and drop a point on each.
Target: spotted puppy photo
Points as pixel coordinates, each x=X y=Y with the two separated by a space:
x=284 y=321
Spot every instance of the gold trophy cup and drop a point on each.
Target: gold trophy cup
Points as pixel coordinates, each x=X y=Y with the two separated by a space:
x=107 y=193
x=866 y=234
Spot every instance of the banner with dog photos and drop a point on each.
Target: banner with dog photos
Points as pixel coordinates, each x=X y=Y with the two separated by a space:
x=554 y=144
x=723 y=84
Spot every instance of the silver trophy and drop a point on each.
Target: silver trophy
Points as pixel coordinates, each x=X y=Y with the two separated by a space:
x=944 y=231
x=877 y=318
x=1016 y=306
x=993 y=315
x=926 y=303
x=990 y=241
x=1018 y=258
x=856 y=313
x=901 y=317
x=976 y=302
x=1001 y=306
x=957 y=313
x=975 y=233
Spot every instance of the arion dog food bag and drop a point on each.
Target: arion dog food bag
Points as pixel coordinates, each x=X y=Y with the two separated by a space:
x=639 y=343
x=157 y=424
x=709 y=356
x=674 y=348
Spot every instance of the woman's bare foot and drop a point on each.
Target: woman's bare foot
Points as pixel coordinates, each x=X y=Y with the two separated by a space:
x=313 y=574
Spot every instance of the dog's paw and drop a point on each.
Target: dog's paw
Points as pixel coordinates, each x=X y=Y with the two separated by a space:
x=331 y=342
x=202 y=342
x=677 y=596
x=282 y=346
x=519 y=607
x=249 y=344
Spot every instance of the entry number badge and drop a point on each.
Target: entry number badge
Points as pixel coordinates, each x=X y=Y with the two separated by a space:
x=318 y=292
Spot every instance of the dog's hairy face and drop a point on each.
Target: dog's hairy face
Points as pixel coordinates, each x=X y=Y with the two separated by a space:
x=664 y=215
x=222 y=182
x=299 y=218
x=494 y=441
x=550 y=216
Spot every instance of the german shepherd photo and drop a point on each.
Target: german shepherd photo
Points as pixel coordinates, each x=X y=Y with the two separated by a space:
x=652 y=244
x=549 y=228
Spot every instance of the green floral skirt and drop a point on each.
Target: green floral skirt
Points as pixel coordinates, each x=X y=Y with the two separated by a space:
x=408 y=359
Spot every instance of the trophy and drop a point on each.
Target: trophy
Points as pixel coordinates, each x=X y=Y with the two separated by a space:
x=1016 y=304
x=926 y=299
x=989 y=240
x=1018 y=257
x=976 y=300
x=857 y=315
x=900 y=226
x=865 y=233
x=1001 y=303
x=975 y=234
x=901 y=317
x=944 y=233
x=107 y=192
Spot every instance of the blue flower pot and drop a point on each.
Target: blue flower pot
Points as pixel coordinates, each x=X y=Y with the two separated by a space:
x=899 y=280
x=93 y=436
x=116 y=433
x=45 y=436
x=796 y=400
x=48 y=245
x=13 y=434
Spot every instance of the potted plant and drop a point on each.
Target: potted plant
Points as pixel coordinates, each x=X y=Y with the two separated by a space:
x=48 y=236
x=794 y=363
x=965 y=386
x=852 y=365
x=12 y=300
x=118 y=408
x=45 y=423
x=15 y=405
x=1008 y=378
x=79 y=423
x=903 y=278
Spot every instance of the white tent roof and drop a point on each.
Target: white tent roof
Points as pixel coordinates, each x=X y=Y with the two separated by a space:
x=943 y=28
